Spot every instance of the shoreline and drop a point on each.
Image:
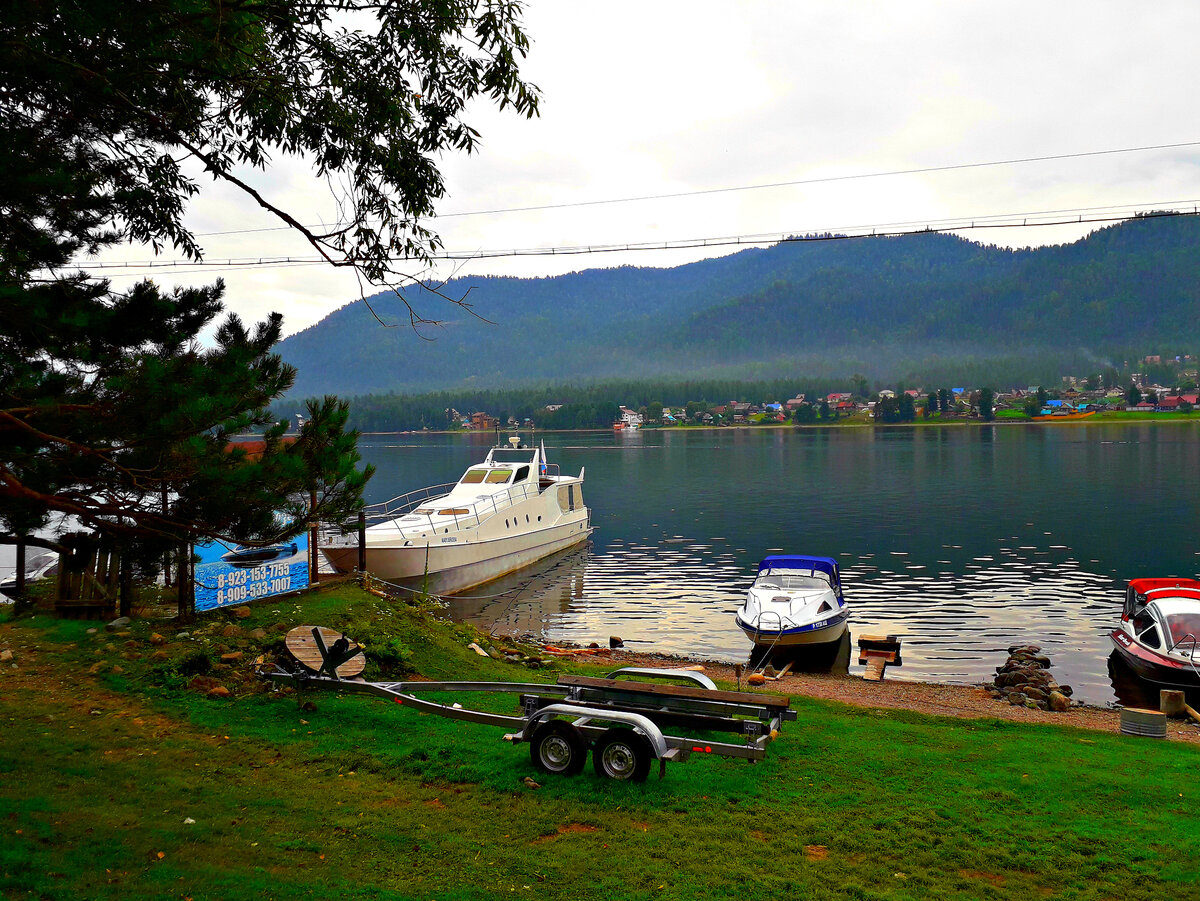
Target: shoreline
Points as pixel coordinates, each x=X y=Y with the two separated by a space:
x=929 y=698
x=1151 y=418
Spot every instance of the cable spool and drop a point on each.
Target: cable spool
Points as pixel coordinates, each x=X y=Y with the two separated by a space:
x=302 y=645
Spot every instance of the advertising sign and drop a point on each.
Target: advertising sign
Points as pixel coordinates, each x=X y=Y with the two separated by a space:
x=230 y=574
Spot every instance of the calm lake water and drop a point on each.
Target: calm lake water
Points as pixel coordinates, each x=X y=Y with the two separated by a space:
x=961 y=540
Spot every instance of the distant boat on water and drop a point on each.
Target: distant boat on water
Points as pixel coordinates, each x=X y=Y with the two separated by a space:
x=1062 y=411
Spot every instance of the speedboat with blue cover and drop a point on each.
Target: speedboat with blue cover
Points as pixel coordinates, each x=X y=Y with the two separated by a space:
x=794 y=601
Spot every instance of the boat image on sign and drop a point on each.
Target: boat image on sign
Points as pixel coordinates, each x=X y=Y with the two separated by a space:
x=244 y=557
x=505 y=513
x=794 y=601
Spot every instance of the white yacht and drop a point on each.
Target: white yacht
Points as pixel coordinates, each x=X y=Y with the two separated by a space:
x=510 y=510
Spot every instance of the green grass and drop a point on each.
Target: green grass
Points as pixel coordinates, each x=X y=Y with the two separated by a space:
x=360 y=799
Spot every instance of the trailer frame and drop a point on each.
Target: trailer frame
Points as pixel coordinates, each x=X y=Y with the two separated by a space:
x=622 y=717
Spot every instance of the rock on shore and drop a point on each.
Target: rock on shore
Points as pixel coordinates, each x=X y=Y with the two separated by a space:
x=1024 y=680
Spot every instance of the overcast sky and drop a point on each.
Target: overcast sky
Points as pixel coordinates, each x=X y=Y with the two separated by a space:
x=650 y=98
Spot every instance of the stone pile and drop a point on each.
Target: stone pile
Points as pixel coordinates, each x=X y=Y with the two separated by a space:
x=1025 y=681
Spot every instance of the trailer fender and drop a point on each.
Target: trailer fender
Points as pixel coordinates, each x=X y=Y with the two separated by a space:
x=643 y=724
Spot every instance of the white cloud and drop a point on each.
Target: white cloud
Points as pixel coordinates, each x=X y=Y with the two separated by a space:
x=652 y=98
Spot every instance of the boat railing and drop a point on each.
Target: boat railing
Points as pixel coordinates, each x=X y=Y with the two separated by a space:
x=463 y=516
x=758 y=631
x=1190 y=638
x=406 y=503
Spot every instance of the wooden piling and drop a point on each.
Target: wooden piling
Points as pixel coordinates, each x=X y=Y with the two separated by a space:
x=1172 y=703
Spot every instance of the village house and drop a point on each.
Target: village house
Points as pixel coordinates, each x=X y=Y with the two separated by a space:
x=631 y=419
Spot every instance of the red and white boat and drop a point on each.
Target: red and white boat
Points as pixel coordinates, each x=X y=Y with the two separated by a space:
x=1159 y=635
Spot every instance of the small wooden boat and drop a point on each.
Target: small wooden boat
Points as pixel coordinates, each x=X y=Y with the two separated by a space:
x=1064 y=417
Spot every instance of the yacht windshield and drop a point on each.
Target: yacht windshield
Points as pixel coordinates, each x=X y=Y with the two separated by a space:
x=474 y=476
x=791 y=580
x=498 y=476
x=1182 y=619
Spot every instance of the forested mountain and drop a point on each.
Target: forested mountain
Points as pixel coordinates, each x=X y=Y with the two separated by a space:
x=881 y=306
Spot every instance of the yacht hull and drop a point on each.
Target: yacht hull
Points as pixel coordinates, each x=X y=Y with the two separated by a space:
x=823 y=632
x=451 y=568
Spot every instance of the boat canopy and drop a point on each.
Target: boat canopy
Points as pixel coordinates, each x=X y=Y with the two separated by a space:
x=820 y=564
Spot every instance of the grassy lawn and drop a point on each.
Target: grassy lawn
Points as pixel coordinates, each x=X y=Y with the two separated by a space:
x=358 y=798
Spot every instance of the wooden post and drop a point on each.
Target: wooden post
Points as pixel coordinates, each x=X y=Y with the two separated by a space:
x=1172 y=703
x=313 y=576
x=64 y=582
x=126 y=589
x=21 y=569
x=182 y=584
x=362 y=541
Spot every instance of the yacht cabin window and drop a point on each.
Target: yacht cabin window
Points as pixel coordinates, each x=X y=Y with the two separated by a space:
x=570 y=497
x=498 y=476
x=522 y=474
x=474 y=476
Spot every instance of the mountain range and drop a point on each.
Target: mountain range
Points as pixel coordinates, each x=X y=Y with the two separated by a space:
x=818 y=306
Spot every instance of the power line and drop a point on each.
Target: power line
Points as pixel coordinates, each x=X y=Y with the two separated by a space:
x=1005 y=221
x=924 y=170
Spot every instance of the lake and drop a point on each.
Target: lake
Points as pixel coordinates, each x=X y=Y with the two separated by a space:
x=961 y=540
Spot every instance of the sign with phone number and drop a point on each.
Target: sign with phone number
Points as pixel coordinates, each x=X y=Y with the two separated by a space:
x=234 y=574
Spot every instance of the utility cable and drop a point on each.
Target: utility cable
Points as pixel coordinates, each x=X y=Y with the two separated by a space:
x=827 y=179
x=752 y=240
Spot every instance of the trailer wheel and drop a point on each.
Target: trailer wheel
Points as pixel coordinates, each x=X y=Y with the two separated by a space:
x=557 y=747
x=622 y=754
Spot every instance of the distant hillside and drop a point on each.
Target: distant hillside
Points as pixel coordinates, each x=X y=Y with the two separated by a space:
x=873 y=305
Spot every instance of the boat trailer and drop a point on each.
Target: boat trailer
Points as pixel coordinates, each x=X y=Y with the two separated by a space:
x=625 y=720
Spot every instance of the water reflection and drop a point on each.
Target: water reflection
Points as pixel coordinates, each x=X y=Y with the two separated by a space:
x=961 y=541
x=1133 y=691
x=833 y=657
x=524 y=602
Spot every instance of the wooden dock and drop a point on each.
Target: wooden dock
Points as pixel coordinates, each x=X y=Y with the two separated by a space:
x=875 y=652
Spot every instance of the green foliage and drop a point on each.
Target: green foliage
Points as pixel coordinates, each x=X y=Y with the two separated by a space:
x=887 y=409
x=110 y=411
x=361 y=798
x=120 y=95
x=804 y=414
x=987 y=410
x=1133 y=396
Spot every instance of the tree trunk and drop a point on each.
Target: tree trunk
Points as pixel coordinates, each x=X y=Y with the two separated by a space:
x=126 y=589
x=20 y=571
x=313 y=553
x=183 y=584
